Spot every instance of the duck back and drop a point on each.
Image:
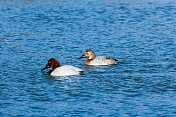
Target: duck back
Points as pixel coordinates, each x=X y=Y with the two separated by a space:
x=103 y=60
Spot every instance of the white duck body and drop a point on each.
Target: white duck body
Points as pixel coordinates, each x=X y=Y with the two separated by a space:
x=66 y=70
x=103 y=60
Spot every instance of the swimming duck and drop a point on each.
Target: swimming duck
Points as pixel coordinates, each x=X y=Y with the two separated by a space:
x=58 y=70
x=99 y=60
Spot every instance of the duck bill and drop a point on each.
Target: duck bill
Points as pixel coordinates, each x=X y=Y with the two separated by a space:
x=46 y=67
x=83 y=56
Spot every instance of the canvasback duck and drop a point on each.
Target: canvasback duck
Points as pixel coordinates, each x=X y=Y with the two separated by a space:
x=99 y=60
x=58 y=70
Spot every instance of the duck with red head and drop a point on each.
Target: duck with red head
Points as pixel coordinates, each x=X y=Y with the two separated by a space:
x=99 y=60
x=58 y=70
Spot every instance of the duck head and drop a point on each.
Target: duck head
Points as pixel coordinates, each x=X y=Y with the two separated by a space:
x=88 y=54
x=52 y=63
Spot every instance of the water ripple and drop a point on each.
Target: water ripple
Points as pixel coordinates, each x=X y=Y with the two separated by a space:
x=140 y=34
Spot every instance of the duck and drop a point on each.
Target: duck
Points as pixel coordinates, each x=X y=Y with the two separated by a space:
x=99 y=60
x=58 y=70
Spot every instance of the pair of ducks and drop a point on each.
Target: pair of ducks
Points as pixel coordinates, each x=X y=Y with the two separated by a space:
x=66 y=70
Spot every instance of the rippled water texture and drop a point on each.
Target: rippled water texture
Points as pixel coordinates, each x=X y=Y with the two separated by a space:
x=141 y=34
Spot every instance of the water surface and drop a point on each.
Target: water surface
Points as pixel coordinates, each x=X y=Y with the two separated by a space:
x=140 y=34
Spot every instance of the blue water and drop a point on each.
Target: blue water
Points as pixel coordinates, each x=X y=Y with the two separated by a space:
x=141 y=34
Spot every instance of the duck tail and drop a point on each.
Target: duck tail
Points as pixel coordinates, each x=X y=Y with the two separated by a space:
x=82 y=72
x=116 y=61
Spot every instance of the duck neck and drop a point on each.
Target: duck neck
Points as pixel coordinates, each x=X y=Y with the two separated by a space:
x=49 y=72
x=88 y=61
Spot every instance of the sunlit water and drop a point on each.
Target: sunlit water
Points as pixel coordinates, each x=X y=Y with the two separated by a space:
x=141 y=34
